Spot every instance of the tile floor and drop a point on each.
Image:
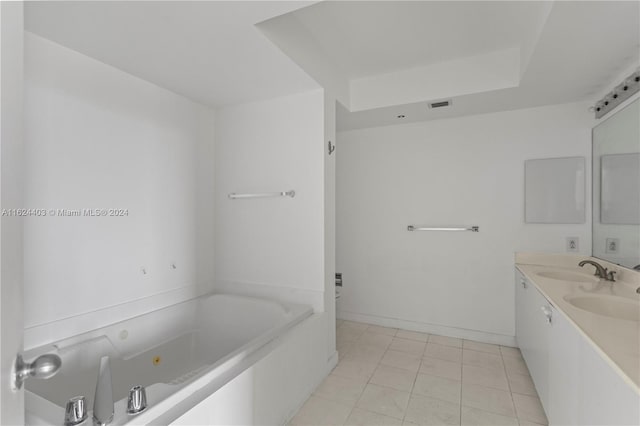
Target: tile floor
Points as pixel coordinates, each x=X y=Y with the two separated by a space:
x=388 y=376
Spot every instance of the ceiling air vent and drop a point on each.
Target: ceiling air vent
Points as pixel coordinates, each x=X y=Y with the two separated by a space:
x=439 y=104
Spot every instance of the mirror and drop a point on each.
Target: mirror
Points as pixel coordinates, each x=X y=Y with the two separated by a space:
x=616 y=187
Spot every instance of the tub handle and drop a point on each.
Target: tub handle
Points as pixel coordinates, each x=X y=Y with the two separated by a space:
x=43 y=367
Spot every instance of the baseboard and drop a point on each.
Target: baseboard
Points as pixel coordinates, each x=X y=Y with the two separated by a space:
x=463 y=333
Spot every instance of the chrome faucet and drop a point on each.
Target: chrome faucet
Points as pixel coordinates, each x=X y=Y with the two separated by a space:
x=103 y=399
x=601 y=271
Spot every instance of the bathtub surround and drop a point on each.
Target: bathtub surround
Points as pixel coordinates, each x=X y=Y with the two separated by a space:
x=98 y=138
x=203 y=346
x=463 y=171
x=98 y=135
x=280 y=248
x=272 y=390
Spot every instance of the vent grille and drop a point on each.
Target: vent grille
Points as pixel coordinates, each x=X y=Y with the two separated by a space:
x=439 y=104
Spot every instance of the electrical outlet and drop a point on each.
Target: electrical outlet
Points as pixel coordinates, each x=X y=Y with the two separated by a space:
x=573 y=244
x=613 y=245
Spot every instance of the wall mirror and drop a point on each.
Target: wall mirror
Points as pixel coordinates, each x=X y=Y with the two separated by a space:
x=616 y=187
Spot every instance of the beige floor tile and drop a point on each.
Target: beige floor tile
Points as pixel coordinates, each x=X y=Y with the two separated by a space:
x=341 y=389
x=475 y=417
x=355 y=369
x=382 y=330
x=360 y=417
x=445 y=340
x=401 y=360
x=346 y=333
x=474 y=375
x=508 y=351
x=528 y=423
x=423 y=410
x=488 y=399
x=375 y=339
x=413 y=335
x=482 y=359
x=383 y=400
x=447 y=353
x=515 y=365
x=438 y=387
x=343 y=346
x=364 y=352
x=320 y=411
x=406 y=345
x=481 y=347
x=529 y=408
x=522 y=384
x=393 y=377
x=441 y=368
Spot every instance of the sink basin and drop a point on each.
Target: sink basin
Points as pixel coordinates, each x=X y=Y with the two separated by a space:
x=568 y=276
x=609 y=306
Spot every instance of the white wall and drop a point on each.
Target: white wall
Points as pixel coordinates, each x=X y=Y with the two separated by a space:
x=11 y=227
x=463 y=171
x=330 y=221
x=271 y=246
x=98 y=138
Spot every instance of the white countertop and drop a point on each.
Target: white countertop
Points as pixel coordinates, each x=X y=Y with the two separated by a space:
x=617 y=340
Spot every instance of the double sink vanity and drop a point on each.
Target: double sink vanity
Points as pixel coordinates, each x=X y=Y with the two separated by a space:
x=580 y=336
x=578 y=317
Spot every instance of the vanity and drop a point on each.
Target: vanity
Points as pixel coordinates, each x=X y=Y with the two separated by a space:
x=578 y=317
x=580 y=337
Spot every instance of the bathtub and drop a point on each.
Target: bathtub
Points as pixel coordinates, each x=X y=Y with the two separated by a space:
x=181 y=354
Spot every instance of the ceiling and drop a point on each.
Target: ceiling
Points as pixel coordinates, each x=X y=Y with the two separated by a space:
x=208 y=51
x=380 y=59
x=368 y=38
x=391 y=58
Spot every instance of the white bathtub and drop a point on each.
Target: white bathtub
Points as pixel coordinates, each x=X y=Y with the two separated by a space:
x=192 y=348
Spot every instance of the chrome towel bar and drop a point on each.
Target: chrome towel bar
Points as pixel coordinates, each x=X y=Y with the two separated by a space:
x=291 y=194
x=421 y=228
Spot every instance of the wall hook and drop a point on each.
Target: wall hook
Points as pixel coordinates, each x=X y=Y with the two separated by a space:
x=331 y=147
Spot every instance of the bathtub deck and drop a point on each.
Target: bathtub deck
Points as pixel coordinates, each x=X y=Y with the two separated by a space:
x=394 y=377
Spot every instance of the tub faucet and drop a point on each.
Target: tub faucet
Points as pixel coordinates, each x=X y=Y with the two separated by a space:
x=103 y=399
x=601 y=271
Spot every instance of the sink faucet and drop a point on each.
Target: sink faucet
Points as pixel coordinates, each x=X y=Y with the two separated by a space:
x=601 y=271
x=103 y=399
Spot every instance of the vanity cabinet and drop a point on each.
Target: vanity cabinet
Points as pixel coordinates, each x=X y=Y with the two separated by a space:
x=533 y=324
x=583 y=387
x=576 y=384
x=564 y=372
